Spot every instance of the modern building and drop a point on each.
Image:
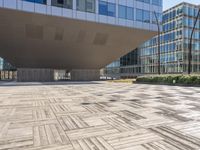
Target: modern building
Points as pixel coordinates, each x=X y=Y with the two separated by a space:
x=80 y=36
x=177 y=24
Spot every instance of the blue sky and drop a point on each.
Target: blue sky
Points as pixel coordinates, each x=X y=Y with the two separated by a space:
x=170 y=3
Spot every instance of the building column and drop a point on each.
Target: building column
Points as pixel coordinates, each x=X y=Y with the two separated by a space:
x=85 y=75
x=4 y=74
x=35 y=75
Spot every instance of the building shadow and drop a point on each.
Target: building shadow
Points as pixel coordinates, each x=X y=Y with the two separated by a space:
x=14 y=83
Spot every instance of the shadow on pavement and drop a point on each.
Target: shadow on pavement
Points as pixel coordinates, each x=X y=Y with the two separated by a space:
x=14 y=83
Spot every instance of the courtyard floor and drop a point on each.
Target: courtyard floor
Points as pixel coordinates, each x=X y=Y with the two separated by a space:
x=98 y=116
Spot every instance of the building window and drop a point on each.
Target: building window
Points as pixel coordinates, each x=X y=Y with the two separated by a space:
x=37 y=1
x=103 y=8
x=130 y=13
x=108 y=9
x=122 y=11
x=62 y=3
x=126 y=12
x=86 y=5
x=144 y=1
x=111 y=9
x=139 y=14
x=143 y=15
x=157 y=2
x=146 y=16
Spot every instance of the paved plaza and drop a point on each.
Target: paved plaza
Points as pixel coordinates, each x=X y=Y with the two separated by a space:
x=99 y=116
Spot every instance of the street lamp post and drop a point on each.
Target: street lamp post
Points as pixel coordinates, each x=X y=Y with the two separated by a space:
x=190 y=44
x=158 y=25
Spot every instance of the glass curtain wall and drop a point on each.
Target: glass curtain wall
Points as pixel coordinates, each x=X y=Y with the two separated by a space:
x=143 y=15
x=177 y=24
x=177 y=27
x=154 y=2
x=126 y=12
x=62 y=3
x=86 y=5
x=37 y=1
x=107 y=9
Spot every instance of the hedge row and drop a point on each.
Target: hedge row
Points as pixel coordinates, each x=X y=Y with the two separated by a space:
x=171 y=79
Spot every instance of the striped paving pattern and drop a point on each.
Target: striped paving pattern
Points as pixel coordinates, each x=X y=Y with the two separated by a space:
x=98 y=116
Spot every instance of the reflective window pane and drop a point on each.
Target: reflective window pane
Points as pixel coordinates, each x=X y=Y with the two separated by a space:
x=143 y=15
x=86 y=5
x=157 y=2
x=144 y=1
x=103 y=8
x=146 y=16
x=90 y=6
x=62 y=3
x=80 y=5
x=122 y=11
x=111 y=9
x=108 y=9
x=139 y=15
x=37 y=1
x=130 y=13
x=126 y=12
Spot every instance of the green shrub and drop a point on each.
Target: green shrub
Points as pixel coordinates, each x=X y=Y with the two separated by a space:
x=171 y=79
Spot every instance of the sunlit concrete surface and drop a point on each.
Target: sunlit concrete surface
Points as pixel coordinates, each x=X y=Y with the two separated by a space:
x=98 y=116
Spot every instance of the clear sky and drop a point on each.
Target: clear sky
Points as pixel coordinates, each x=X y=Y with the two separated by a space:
x=170 y=3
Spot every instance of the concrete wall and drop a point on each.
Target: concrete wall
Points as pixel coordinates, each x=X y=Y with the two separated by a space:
x=54 y=42
x=85 y=75
x=35 y=75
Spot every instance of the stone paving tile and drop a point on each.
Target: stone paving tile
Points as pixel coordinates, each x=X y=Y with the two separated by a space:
x=98 y=116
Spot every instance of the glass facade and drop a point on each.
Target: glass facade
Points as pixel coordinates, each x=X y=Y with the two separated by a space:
x=145 y=1
x=128 y=10
x=177 y=24
x=143 y=15
x=177 y=27
x=62 y=3
x=107 y=9
x=86 y=5
x=153 y=2
x=38 y=1
x=113 y=69
x=157 y=2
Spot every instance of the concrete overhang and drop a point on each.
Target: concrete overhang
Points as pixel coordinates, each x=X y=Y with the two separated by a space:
x=30 y=40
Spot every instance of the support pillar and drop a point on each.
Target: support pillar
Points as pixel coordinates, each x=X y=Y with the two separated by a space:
x=35 y=75
x=85 y=75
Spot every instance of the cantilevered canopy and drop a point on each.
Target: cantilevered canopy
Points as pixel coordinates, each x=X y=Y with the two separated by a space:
x=29 y=40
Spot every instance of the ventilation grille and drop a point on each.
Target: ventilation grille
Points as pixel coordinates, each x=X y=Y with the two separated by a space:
x=59 y=34
x=81 y=36
x=100 y=39
x=34 y=31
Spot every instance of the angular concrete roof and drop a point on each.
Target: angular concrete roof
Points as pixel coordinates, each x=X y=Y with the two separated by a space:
x=30 y=40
